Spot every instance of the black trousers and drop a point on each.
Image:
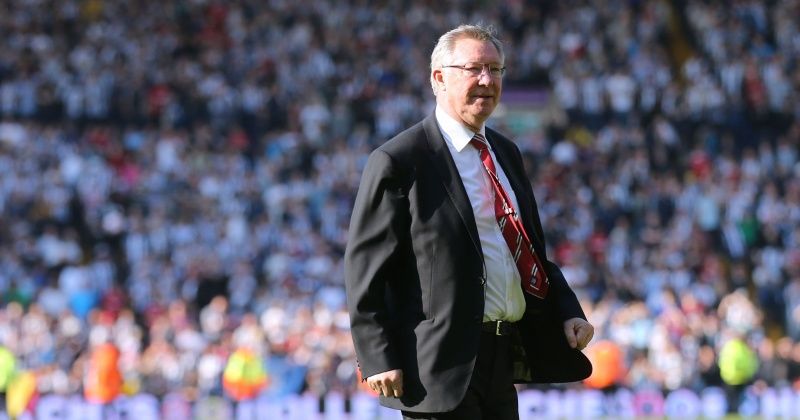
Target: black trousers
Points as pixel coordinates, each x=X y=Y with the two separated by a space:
x=491 y=394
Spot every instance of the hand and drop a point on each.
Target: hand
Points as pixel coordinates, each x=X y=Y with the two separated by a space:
x=389 y=384
x=579 y=332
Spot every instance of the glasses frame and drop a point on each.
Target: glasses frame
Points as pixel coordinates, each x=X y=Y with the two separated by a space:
x=470 y=69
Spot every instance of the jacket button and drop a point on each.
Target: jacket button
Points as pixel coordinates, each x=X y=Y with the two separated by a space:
x=482 y=280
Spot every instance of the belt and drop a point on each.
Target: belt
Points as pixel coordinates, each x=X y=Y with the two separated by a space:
x=498 y=327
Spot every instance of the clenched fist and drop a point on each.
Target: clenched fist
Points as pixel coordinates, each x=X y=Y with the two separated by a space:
x=388 y=384
x=579 y=332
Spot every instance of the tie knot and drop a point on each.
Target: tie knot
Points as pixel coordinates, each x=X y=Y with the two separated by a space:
x=479 y=142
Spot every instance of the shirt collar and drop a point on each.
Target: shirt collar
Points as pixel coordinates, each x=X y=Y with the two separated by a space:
x=454 y=132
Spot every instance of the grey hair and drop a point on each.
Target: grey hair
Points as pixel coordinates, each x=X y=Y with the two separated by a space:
x=444 y=47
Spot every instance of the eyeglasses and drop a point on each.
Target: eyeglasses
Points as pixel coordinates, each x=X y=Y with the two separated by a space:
x=477 y=69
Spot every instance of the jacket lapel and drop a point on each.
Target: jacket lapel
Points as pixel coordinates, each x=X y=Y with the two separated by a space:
x=446 y=167
x=520 y=184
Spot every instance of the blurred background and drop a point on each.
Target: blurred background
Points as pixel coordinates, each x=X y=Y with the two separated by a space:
x=176 y=181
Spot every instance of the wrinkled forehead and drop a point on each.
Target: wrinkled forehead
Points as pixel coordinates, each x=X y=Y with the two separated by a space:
x=471 y=50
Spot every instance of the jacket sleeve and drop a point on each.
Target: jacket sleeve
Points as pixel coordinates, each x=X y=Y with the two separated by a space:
x=378 y=233
x=566 y=302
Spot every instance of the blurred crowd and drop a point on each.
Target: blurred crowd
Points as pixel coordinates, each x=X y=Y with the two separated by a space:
x=177 y=177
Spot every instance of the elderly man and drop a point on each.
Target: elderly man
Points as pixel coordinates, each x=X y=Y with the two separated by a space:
x=451 y=296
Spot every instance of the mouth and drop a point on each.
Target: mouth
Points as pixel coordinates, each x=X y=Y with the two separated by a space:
x=484 y=97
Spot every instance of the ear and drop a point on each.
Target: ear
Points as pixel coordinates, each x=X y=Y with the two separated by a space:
x=437 y=77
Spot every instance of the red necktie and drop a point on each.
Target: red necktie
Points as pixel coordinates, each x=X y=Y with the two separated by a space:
x=531 y=272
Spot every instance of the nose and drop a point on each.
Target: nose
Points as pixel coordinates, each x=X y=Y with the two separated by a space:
x=485 y=78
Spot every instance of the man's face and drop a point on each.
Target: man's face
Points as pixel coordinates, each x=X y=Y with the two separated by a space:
x=469 y=97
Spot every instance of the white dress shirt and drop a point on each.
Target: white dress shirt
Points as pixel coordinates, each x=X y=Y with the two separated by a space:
x=504 y=297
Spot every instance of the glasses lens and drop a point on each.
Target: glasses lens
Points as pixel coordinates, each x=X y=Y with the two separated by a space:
x=476 y=70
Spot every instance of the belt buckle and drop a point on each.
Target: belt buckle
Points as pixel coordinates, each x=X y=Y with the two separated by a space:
x=497 y=328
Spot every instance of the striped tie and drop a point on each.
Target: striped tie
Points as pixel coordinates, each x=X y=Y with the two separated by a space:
x=531 y=272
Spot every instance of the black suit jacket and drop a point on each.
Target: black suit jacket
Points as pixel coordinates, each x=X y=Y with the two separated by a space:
x=414 y=275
